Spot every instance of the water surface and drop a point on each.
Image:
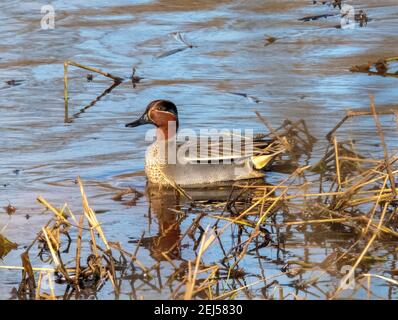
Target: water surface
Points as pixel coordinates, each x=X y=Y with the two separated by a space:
x=303 y=75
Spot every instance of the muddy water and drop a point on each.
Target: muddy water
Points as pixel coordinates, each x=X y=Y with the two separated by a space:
x=303 y=75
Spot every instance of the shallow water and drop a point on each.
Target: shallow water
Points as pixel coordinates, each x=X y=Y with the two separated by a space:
x=303 y=75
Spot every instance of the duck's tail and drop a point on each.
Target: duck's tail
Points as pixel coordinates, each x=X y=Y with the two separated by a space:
x=261 y=161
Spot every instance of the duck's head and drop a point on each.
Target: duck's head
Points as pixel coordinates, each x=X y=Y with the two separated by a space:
x=158 y=113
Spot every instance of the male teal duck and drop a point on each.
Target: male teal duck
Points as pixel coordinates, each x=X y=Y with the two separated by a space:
x=211 y=164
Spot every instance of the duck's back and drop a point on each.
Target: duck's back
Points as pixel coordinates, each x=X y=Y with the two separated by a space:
x=200 y=169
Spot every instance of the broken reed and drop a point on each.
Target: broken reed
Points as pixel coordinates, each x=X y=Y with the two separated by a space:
x=116 y=79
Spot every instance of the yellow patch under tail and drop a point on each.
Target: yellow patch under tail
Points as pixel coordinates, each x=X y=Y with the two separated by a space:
x=260 y=162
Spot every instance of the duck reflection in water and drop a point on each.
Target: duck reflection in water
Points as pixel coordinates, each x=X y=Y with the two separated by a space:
x=165 y=205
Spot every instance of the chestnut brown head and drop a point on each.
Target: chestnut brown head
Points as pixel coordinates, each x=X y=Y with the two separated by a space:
x=158 y=113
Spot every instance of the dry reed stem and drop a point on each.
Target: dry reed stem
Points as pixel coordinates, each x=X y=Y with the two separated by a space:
x=337 y=162
x=133 y=256
x=369 y=275
x=295 y=223
x=366 y=220
x=196 y=221
x=66 y=98
x=364 y=180
x=297 y=172
x=169 y=260
x=54 y=241
x=375 y=206
x=225 y=295
x=38 y=288
x=368 y=292
x=282 y=140
x=351 y=114
x=67 y=63
x=72 y=216
x=326 y=194
x=57 y=213
x=91 y=216
x=233 y=220
x=110 y=276
x=256 y=231
x=204 y=244
x=360 y=160
x=174 y=185
x=34 y=269
x=78 y=250
x=105 y=74
x=52 y=251
x=94 y=248
x=380 y=165
x=383 y=142
x=208 y=281
x=365 y=250
x=55 y=254
x=51 y=284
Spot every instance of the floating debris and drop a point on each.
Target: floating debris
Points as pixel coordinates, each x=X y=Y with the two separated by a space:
x=10 y=209
x=361 y=68
x=321 y=2
x=180 y=38
x=14 y=82
x=249 y=97
x=90 y=77
x=337 y=3
x=120 y=196
x=317 y=17
x=345 y=11
x=380 y=67
x=135 y=79
x=362 y=18
x=334 y=3
x=270 y=40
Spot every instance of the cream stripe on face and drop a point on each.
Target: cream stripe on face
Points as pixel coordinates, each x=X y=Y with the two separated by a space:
x=151 y=109
x=155 y=105
x=160 y=112
x=149 y=114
